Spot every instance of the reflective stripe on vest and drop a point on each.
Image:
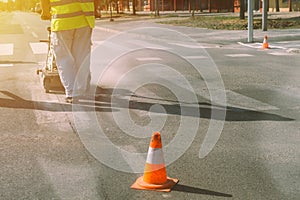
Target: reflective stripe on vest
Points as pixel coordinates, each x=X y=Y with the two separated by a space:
x=64 y=2
x=67 y=15
x=71 y=14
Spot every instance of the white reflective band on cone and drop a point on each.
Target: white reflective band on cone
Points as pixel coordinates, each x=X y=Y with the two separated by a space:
x=155 y=156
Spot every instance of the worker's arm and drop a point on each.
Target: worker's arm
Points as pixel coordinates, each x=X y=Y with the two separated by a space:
x=45 y=15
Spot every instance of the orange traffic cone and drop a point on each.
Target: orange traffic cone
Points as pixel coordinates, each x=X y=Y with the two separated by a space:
x=155 y=174
x=265 y=43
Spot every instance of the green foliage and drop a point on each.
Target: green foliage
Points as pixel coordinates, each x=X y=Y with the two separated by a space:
x=233 y=22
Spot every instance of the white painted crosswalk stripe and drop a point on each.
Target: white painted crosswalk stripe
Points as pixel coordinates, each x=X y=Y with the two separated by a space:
x=6 y=65
x=282 y=48
x=39 y=47
x=36 y=47
x=258 y=45
x=6 y=49
x=238 y=55
x=280 y=54
x=255 y=45
x=194 y=57
x=148 y=59
x=190 y=46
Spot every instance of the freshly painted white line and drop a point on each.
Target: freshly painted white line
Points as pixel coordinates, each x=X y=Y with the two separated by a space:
x=189 y=46
x=251 y=45
x=276 y=47
x=148 y=59
x=238 y=55
x=39 y=48
x=280 y=54
x=194 y=57
x=6 y=65
x=283 y=42
x=6 y=49
x=259 y=45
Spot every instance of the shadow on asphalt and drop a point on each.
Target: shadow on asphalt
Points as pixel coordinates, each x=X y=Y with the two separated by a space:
x=194 y=190
x=102 y=102
x=19 y=103
x=175 y=107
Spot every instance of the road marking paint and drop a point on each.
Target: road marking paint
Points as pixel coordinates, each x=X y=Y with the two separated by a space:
x=189 y=46
x=6 y=65
x=252 y=45
x=6 y=49
x=194 y=57
x=34 y=34
x=283 y=42
x=238 y=55
x=276 y=47
x=39 y=48
x=280 y=54
x=148 y=59
x=259 y=45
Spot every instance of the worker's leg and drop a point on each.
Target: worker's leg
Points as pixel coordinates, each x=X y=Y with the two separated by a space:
x=62 y=43
x=81 y=51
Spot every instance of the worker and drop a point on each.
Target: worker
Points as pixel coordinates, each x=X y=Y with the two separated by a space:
x=72 y=22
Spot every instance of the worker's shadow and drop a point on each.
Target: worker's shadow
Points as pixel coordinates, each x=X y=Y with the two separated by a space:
x=122 y=99
x=14 y=101
x=112 y=100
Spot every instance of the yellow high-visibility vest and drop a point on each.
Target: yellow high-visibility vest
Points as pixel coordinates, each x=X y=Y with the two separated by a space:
x=71 y=14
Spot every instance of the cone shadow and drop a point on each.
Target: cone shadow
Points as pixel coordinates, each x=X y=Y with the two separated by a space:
x=194 y=190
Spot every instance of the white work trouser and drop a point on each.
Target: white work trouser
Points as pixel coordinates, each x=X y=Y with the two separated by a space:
x=72 y=49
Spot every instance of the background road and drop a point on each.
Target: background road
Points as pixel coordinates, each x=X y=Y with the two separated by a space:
x=146 y=78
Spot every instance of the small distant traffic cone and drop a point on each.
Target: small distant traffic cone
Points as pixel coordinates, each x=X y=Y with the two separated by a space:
x=265 y=43
x=155 y=174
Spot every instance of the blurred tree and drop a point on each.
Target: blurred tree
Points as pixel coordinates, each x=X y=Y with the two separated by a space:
x=133 y=7
x=277 y=5
x=242 y=9
x=290 y=5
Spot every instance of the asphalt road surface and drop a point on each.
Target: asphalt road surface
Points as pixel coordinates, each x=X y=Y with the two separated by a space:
x=228 y=113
